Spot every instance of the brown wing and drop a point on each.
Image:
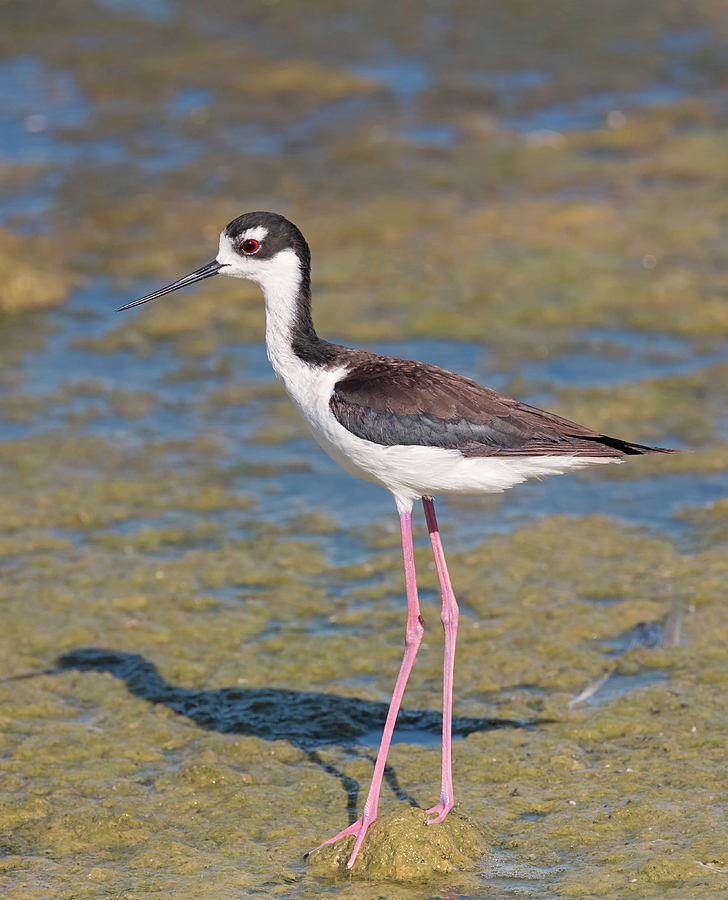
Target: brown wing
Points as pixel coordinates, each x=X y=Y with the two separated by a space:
x=394 y=402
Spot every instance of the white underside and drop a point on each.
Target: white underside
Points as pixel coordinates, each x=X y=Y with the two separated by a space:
x=412 y=472
x=409 y=472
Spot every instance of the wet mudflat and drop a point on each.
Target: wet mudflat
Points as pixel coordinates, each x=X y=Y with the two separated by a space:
x=202 y=616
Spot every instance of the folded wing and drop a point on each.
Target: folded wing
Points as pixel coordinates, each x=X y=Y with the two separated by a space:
x=396 y=402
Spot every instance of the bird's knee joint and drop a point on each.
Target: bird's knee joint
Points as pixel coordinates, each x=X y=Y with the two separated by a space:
x=450 y=617
x=415 y=631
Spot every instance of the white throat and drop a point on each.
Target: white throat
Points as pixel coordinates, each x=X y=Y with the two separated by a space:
x=280 y=285
x=280 y=280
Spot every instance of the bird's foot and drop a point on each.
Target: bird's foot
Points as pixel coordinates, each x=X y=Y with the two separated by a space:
x=440 y=811
x=359 y=828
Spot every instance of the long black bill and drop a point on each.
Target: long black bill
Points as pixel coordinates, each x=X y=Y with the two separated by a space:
x=205 y=272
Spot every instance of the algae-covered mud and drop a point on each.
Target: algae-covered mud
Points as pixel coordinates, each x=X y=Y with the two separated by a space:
x=201 y=616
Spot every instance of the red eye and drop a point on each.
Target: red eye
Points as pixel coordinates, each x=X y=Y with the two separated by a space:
x=250 y=246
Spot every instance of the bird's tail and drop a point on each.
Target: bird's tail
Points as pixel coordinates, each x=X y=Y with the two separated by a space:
x=627 y=447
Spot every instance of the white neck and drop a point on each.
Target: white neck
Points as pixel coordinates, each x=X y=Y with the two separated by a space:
x=280 y=280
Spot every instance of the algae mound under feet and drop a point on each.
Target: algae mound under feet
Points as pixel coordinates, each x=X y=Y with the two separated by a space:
x=402 y=847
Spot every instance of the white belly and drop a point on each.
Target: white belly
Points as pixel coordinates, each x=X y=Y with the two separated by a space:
x=411 y=472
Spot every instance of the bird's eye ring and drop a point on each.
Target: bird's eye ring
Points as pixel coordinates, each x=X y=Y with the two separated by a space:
x=250 y=246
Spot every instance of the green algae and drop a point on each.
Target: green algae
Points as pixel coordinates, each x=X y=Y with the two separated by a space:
x=31 y=283
x=515 y=242
x=607 y=785
x=531 y=267
x=401 y=847
x=541 y=251
x=709 y=524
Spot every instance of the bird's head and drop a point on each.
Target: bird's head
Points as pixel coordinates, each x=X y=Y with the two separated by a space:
x=259 y=246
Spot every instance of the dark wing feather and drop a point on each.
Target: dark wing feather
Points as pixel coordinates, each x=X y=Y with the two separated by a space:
x=394 y=402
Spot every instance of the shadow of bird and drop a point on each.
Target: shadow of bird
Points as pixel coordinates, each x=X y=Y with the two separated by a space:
x=307 y=719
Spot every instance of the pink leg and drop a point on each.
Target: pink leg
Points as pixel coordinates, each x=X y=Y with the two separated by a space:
x=449 y=618
x=412 y=641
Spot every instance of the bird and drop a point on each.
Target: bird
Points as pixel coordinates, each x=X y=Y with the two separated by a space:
x=416 y=429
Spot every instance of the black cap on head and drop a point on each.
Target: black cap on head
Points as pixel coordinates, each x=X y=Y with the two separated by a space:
x=282 y=235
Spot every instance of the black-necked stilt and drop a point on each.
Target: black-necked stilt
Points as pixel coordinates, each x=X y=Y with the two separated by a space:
x=414 y=428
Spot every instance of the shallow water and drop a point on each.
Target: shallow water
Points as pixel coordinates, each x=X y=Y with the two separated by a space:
x=201 y=614
x=180 y=409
